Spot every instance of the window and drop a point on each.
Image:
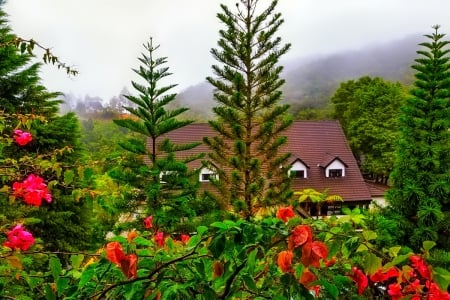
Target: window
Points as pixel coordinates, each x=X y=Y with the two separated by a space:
x=206 y=175
x=297 y=173
x=167 y=176
x=335 y=173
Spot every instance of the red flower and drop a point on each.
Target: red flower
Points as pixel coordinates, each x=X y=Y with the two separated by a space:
x=114 y=253
x=285 y=260
x=148 y=222
x=381 y=276
x=127 y=263
x=419 y=264
x=159 y=238
x=129 y=266
x=18 y=238
x=360 y=278
x=284 y=213
x=22 y=137
x=307 y=277
x=435 y=293
x=300 y=235
x=32 y=190
x=185 y=238
x=395 y=291
x=312 y=252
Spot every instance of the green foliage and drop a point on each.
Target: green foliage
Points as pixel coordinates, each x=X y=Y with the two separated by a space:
x=162 y=178
x=368 y=111
x=422 y=168
x=250 y=121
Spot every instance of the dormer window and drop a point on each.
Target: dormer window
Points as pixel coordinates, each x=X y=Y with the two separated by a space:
x=335 y=169
x=334 y=172
x=298 y=174
x=206 y=174
x=298 y=170
x=167 y=176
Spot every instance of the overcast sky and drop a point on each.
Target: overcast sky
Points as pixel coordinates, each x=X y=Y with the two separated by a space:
x=103 y=38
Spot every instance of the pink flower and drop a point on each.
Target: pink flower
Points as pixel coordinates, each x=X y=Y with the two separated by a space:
x=32 y=190
x=148 y=222
x=159 y=238
x=22 y=137
x=18 y=238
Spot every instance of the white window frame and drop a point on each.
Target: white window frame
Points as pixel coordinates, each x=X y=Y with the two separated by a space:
x=298 y=166
x=206 y=171
x=335 y=165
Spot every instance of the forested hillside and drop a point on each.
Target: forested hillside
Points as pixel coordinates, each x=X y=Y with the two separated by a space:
x=310 y=82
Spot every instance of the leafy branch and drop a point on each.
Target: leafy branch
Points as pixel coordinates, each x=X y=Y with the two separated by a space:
x=28 y=46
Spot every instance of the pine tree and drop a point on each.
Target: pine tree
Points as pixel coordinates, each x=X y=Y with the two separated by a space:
x=421 y=176
x=168 y=184
x=250 y=121
x=64 y=224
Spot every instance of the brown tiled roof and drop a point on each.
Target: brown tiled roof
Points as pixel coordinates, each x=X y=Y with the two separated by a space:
x=318 y=143
x=312 y=142
x=377 y=189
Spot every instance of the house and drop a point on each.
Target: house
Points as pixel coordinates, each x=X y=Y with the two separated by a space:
x=321 y=159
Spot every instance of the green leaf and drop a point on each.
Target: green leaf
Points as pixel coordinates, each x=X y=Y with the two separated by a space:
x=330 y=288
x=217 y=245
x=397 y=260
x=61 y=284
x=49 y=295
x=193 y=241
x=441 y=277
x=249 y=282
x=201 y=230
x=393 y=251
x=76 y=260
x=369 y=235
x=55 y=267
x=219 y=225
x=68 y=176
x=428 y=245
x=362 y=248
x=87 y=275
x=141 y=241
x=371 y=263
x=251 y=261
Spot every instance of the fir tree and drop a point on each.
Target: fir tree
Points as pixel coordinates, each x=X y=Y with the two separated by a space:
x=169 y=186
x=250 y=121
x=421 y=176
x=64 y=224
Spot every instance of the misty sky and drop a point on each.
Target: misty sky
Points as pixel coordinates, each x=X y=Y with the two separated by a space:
x=103 y=38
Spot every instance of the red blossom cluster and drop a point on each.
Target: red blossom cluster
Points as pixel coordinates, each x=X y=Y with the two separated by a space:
x=127 y=263
x=32 y=190
x=409 y=283
x=18 y=238
x=22 y=137
x=313 y=252
x=285 y=213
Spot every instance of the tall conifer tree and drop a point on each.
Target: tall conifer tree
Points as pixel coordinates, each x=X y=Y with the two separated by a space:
x=250 y=120
x=64 y=224
x=421 y=176
x=168 y=186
